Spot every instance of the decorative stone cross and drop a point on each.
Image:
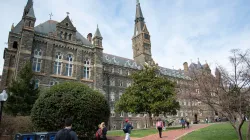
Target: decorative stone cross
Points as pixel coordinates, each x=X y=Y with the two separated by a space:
x=50 y=15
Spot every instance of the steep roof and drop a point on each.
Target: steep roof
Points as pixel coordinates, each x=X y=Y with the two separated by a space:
x=17 y=29
x=129 y=63
x=120 y=61
x=50 y=26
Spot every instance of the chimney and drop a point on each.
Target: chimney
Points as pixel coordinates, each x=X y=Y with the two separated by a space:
x=185 y=65
x=89 y=37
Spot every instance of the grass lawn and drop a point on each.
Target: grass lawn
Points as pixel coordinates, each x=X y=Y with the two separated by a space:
x=223 y=131
x=138 y=133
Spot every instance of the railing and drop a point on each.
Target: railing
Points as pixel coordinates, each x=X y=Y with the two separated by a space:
x=36 y=136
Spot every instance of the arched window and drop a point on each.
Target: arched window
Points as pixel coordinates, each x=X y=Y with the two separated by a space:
x=65 y=35
x=86 y=69
x=14 y=45
x=69 y=65
x=58 y=64
x=37 y=60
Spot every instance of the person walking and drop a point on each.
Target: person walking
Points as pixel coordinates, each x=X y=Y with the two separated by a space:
x=98 y=133
x=66 y=133
x=127 y=129
x=104 y=131
x=159 y=126
x=182 y=123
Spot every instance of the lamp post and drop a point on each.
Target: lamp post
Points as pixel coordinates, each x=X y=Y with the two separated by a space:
x=3 y=98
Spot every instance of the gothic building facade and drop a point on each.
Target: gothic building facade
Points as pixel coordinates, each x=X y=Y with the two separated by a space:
x=59 y=53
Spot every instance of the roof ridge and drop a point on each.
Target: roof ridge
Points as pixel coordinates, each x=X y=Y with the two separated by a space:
x=119 y=56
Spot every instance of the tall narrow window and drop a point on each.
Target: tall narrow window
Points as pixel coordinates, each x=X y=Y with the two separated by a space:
x=61 y=35
x=58 y=64
x=112 y=97
x=86 y=69
x=120 y=71
x=37 y=60
x=37 y=82
x=14 y=45
x=70 y=36
x=69 y=65
x=65 y=35
x=29 y=23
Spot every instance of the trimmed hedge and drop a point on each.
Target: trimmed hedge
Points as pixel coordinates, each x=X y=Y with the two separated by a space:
x=85 y=106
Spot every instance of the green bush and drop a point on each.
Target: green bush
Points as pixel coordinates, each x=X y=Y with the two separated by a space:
x=85 y=106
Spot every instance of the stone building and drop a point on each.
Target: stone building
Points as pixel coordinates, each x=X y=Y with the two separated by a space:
x=59 y=53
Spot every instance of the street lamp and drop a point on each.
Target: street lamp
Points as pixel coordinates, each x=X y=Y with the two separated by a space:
x=3 y=98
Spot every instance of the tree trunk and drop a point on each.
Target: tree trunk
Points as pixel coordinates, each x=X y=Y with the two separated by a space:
x=150 y=120
x=239 y=133
x=248 y=131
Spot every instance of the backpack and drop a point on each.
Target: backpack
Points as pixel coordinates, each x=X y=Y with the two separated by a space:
x=159 y=124
x=125 y=129
x=65 y=134
x=98 y=133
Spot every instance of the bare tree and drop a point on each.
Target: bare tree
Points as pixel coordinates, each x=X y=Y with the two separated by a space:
x=228 y=91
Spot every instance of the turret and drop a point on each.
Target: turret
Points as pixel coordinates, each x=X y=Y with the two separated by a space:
x=97 y=39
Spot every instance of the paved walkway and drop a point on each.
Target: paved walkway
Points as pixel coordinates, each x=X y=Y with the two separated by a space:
x=167 y=135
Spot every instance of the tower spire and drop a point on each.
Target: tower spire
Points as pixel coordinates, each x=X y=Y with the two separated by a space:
x=28 y=10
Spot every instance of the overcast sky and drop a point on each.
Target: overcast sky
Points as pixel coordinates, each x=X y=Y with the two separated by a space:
x=181 y=30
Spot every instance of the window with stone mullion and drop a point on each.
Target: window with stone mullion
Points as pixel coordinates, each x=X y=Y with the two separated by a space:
x=37 y=64
x=37 y=60
x=86 y=69
x=58 y=64
x=69 y=65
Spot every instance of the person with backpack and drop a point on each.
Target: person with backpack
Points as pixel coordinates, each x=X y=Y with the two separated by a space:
x=183 y=123
x=98 y=133
x=104 y=131
x=67 y=133
x=159 y=126
x=127 y=129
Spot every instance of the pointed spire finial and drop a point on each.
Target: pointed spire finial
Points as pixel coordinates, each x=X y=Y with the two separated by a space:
x=67 y=13
x=137 y=2
x=12 y=27
x=97 y=25
x=198 y=59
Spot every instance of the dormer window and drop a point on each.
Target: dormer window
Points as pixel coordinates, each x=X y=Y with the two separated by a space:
x=67 y=24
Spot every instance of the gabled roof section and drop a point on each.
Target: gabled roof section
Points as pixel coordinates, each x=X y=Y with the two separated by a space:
x=50 y=27
x=66 y=23
x=18 y=28
x=120 y=61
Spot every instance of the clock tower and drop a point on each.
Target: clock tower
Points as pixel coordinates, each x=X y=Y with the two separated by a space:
x=141 y=39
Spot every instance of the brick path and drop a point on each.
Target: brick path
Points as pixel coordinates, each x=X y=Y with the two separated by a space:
x=167 y=135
